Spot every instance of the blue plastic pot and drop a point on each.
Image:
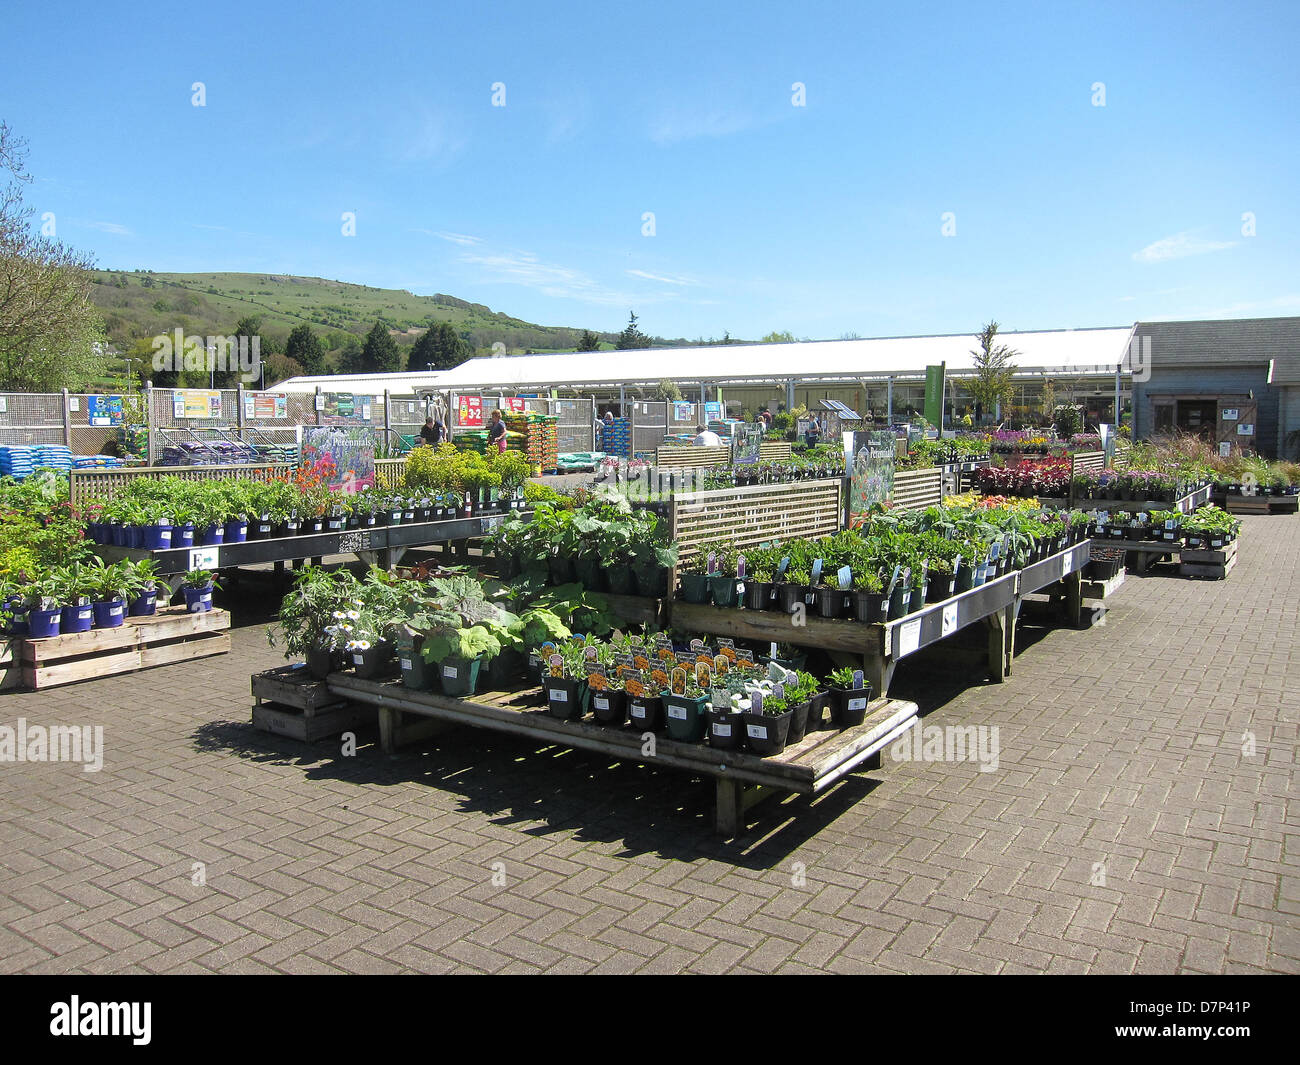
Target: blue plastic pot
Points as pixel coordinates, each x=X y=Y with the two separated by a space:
x=198 y=600
x=183 y=535
x=118 y=535
x=144 y=605
x=17 y=625
x=110 y=613
x=135 y=536
x=157 y=537
x=43 y=623
x=77 y=618
x=212 y=536
x=236 y=532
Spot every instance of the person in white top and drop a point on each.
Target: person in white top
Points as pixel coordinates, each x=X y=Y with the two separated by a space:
x=706 y=438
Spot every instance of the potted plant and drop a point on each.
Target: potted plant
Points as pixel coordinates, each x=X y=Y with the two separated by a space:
x=849 y=696
x=197 y=588
x=694 y=578
x=760 y=593
x=868 y=596
x=793 y=590
x=800 y=695
x=684 y=707
x=608 y=700
x=75 y=585
x=726 y=726
x=767 y=730
x=44 y=607
x=645 y=708
x=110 y=586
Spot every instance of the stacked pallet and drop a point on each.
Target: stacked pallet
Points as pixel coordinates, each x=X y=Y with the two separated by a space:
x=291 y=702
x=616 y=437
x=539 y=433
x=1214 y=564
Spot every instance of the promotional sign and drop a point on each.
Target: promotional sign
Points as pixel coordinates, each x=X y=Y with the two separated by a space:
x=746 y=441
x=934 y=394
x=196 y=403
x=340 y=407
x=713 y=412
x=683 y=412
x=266 y=405
x=104 y=410
x=352 y=449
x=870 y=458
x=469 y=411
x=516 y=404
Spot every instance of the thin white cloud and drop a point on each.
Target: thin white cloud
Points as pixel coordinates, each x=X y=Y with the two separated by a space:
x=1179 y=246
x=1289 y=302
x=110 y=227
x=666 y=279
x=463 y=239
x=691 y=123
x=554 y=280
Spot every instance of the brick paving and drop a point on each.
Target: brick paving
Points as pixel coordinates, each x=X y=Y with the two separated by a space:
x=1124 y=831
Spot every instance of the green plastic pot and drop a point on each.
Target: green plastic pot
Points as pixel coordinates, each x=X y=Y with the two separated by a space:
x=900 y=602
x=685 y=717
x=589 y=573
x=695 y=587
x=416 y=672
x=722 y=590
x=620 y=580
x=459 y=676
x=651 y=581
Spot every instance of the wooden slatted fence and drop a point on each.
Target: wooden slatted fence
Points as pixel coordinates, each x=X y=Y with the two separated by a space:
x=85 y=485
x=756 y=514
x=917 y=489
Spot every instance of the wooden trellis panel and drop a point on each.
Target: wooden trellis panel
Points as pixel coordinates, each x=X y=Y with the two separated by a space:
x=388 y=472
x=85 y=485
x=917 y=489
x=756 y=514
x=1087 y=462
x=691 y=457
x=775 y=450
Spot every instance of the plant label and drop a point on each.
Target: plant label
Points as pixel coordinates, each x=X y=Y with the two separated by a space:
x=756 y=703
x=893 y=581
x=845 y=576
x=995 y=550
x=677 y=713
x=558 y=695
x=703 y=674
x=856 y=704
x=740 y=568
x=756 y=732
x=697 y=644
x=816 y=571
x=406 y=663
x=783 y=565
x=679 y=681
x=204 y=558
x=721 y=730
x=857 y=679
x=713 y=563
x=557 y=665
x=721 y=664
x=589 y=654
x=909 y=637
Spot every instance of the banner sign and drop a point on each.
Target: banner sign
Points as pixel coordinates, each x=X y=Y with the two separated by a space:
x=934 y=394
x=516 y=404
x=352 y=449
x=469 y=411
x=870 y=458
x=196 y=403
x=104 y=410
x=342 y=407
x=746 y=444
x=683 y=412
x=266 y=405
x=713 y=411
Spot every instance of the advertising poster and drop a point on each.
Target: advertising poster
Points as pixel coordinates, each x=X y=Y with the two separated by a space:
x=713 y=411
x=683 y=412
x=343 y=407
x=266 y=405
x=747 y=443
x=469 y=411
x=352 y=449
x=516 y=404
x=869 y=456
x=934 y=394
x=104 y=410
x=196 y=403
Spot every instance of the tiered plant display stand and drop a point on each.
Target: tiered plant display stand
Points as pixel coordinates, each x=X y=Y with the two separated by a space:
x=171 y=635
x=289 y=701
x=806 y=768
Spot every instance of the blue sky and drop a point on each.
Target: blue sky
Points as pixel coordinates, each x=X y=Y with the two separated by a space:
x=822 y=220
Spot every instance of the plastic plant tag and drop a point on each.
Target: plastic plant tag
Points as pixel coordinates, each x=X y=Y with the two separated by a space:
x=557 y=665
x=893 y=581
x=713 y=563
x=589 y=654
x=756 y=703
x=857 y=678
x=778 y=691
x=783 y=565
x=816 y=571
x=740 y=568
x=679 y=681
x=995 y=550
x=1169 y=523
x=703 y=674
x=725 y=641
x=845 y=577
x=956 y=565
x=697 y=644
x=721 y=663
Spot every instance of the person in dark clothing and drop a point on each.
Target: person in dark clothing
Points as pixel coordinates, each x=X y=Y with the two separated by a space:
x=497 y=432
x=432 y=432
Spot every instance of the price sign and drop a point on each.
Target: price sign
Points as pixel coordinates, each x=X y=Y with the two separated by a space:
x=909 y=637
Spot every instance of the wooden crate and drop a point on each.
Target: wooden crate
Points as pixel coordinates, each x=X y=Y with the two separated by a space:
x=291 y=702
x=171 y=635
x=293 y=686
x=917 y=489
x=1103 y=589
x=1215 y=565
x=756 y=514
x=11 y=674
x=1239 y=504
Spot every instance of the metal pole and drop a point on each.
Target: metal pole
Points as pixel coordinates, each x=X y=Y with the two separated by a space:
x=388 y=420
x=889 y=402
x=1119 y=366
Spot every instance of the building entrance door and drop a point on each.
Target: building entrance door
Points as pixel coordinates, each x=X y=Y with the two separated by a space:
x=1199 y=416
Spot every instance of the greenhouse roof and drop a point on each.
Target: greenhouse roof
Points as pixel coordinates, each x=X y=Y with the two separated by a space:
x=1076 y=352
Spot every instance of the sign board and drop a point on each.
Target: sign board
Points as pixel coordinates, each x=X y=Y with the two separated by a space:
x=196 y=403
x=352 y=449
x=344 y=407
x=104 y=410
x=469 y=411
x=683 y=412
x=869 y=456
x=1246 y=429
x=713 y=411
x=746 y=444
x=934 y=394
x=516 y=404
x=266 y=405
x=1230 y=414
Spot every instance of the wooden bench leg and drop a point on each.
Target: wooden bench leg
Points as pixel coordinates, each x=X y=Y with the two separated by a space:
x=396 y=730
x=1074 y=599
x=734 y=800
x=879 y=673
x=389 y=723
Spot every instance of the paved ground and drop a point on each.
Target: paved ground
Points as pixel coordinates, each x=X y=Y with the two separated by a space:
x=1125 y=829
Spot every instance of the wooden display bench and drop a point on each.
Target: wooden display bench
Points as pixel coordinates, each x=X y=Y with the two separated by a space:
x=289 y=701
x=807 y=768
x=1257 y=504
x=1215 y=565
x=171 y=635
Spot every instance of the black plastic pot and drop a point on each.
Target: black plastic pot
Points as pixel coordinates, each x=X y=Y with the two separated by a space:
x=869 y=606
x=589 y=573
x=722 y=590
x=416 y=673
x=372 y=661
x=621 y=581
x=829 y=601
x=758 y=594
x=566 y=697
x=816 y=710
x=320 y=663
x=560 y=568
x=651 y=581
x=900 y=602
x=849 y=706
x=645 y=712
x=940 y=588
x=503 y=670
x=726 y=729
x=609 y=707
x=767 y=734
x=684 y=717
x=790 y=595
x=798 y=722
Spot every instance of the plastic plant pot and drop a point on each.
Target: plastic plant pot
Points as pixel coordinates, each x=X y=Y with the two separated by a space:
x=77 y=618
x=766 y=734
x=722 y=590
x=589 y=574
x=757 y=594
x=501 y=672
x=198 y=600
x=726 y=729
x=212 y=536
x=940 y=588
x=798 y=722
x=144 y=605
x=695 y=587
x=236 y=532
x=651 y=581
x=17 y=624
x=849 y=706
x=869 y=607
x=790 y=595
x=259 y=527
x=646 y=712
x=900 y=602
x=560 y=569
x=109 y=614
x=320 y=663
x=685 y=717
x=416 y=673
x=42 y=624
x=372 y=661
x=135 y=536
x=609 y=707
x=566 y=697
x=459 y=676
x=816 y=710
x=183 y=535
x=829 y=602
x=157 y=537
x=621 y=581
x=312 y=526
x=917 y=603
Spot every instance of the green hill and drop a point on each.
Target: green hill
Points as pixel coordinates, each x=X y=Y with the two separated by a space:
x=142 y=304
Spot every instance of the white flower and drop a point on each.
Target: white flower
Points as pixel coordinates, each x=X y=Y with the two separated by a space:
x=339 y=615
x=354 y=615
x=364 y=645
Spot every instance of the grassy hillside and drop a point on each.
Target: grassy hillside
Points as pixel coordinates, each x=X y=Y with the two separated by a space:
x=140 y=304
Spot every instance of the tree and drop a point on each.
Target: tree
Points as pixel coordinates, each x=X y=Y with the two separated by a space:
x=350 y=355
x=668 y=390
x=589 y=341
x=51 y=335
x=439 y=345
x=726 y=337
x=380 y=354
x=779 y=338
x=305 y=348
x=632 y=337
x=994 y=370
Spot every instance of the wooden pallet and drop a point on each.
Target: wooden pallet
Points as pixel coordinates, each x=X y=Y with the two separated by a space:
x=171 y=635
x=917 y=489
x=11 y=674
x=291 y=702
x=755 y=514
x=1215 y=565
x=1239 y=504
